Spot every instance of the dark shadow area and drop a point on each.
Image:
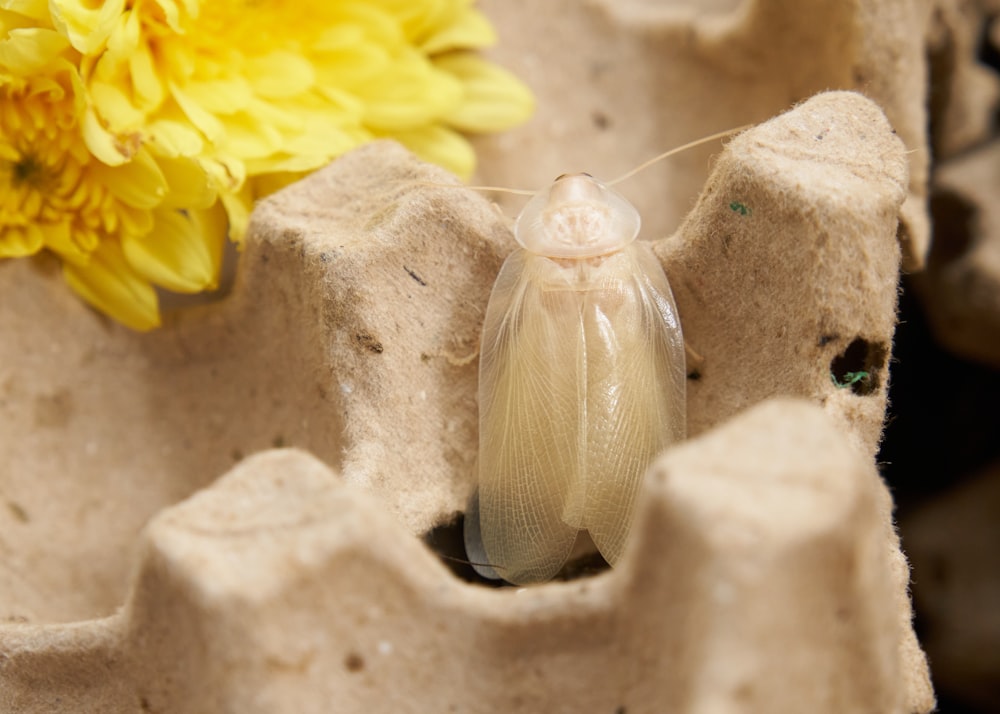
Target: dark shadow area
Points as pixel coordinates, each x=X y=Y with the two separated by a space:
x=941 y=425
x=953 y=219
x=448 y=544
x=941 y=430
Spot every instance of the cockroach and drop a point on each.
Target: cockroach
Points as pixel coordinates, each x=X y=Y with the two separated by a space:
x=581 y=382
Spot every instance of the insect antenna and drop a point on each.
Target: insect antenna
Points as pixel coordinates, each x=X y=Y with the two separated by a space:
x=684 y=147
x=627 y=175
x=493 y=189
x=464 y=561
x=501 y=189
x=446 y=542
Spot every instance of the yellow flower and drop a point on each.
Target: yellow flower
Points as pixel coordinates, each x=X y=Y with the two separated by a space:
x=150 y=211
x=136 y=134
x=264 y=91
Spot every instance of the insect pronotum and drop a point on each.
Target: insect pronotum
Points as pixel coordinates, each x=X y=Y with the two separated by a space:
x=581 y=382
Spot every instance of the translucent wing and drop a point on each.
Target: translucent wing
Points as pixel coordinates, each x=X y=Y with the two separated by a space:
x=531 y=419
x=581 y=384
x=635 y=401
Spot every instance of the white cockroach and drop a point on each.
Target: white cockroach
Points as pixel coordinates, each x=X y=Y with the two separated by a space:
x=581 y=382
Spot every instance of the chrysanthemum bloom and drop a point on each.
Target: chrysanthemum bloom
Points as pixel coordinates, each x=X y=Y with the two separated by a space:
x=118 y=229
x=231 y=100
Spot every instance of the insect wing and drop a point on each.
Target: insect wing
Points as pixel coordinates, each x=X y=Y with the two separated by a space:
x=635 y=388
x=531 y=420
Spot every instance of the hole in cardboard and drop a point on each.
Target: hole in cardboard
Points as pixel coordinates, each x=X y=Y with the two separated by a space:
x=448 y=543
x=859 y=367
x=953 y=218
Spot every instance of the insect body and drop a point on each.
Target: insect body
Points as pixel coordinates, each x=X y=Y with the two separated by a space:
x=581 y=382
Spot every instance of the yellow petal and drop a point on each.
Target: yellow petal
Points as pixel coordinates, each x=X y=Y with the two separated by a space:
x=354 y=22
x=140 y=183
x=494 y=98
x=134 y=221
x=19 y=241
x=115 y=107
x=280 y=74
x=223 y=96
x=29 y=50
x=182 y=253
x=101 y=143
x=415 y=18
x=225 y=173
x=308 y=151
x=85 y=24
x=470 y=30
x=35 y=9
x=247 y=136
x=146 y=82
x=266 y=184
x=238 y=210
x=172 y=14
x=59 y=238
x=282 y=163
x=111 y=286
x=74 y=245
x=174 y=138
x=352 y=65
x=440 y=146
x=327 y=140
x=203 y=120
x=408 y=95
x=125 y=35
x=349 y=108
x=188 y=184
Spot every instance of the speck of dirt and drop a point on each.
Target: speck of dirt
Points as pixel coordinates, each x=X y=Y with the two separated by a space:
x=54 y=410
x=17 y=510
x=601 y=120
x=354 y=662
x=369 y=342
x=420 y=281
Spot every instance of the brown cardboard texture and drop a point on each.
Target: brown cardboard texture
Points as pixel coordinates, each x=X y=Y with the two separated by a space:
x=134 y=578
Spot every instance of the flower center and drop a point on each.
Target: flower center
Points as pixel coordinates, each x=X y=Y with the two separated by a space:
x=46 y=181
x=28 y=172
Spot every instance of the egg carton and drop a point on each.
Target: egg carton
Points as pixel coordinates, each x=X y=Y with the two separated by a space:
x=231 y=514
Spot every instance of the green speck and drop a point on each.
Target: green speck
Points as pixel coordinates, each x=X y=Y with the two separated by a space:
x=741 y=208
x=849 y=378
